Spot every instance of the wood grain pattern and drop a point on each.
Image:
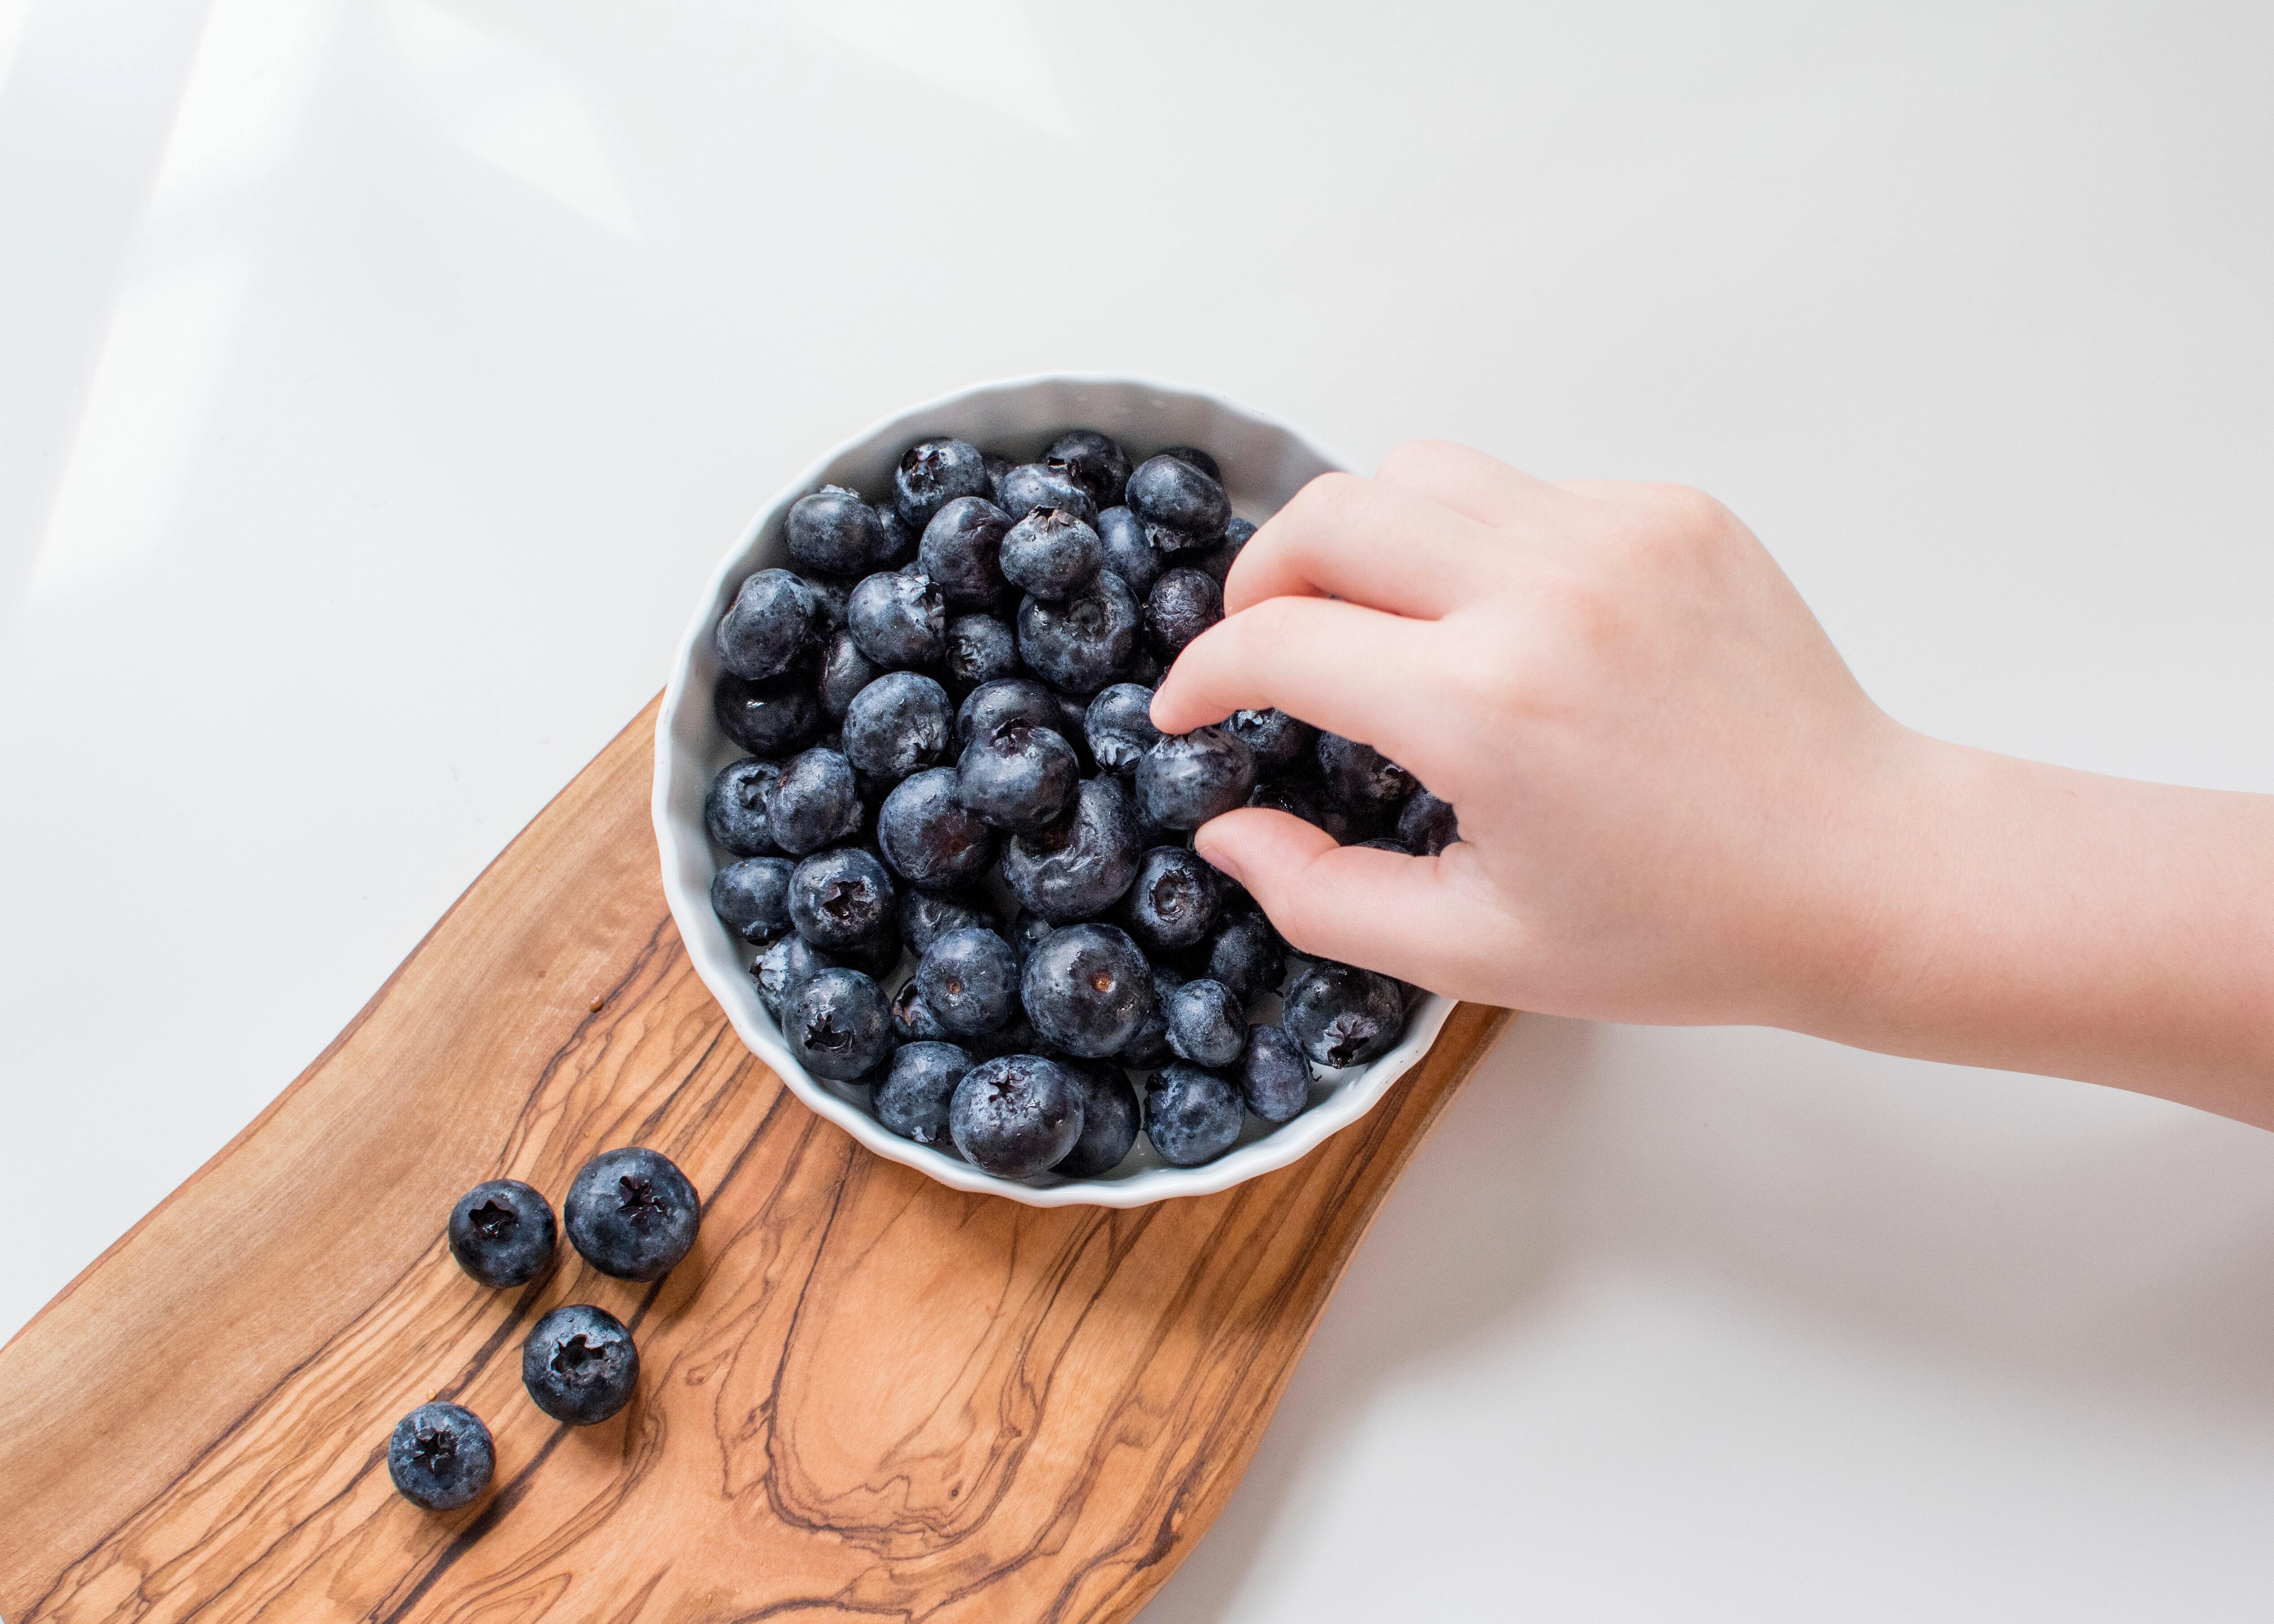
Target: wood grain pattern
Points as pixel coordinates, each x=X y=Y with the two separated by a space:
x=863 y=1394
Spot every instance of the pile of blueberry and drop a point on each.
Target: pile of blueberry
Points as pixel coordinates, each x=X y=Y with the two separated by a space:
x=630 y=1214
x=945 y=706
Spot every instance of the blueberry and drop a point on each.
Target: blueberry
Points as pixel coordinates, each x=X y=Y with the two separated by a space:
x=1074 y=728
x=1198 y=458
x=980 y=650
x=933 y=473
x=630 y=1212
x=1274 y=1080
x=1052 y=553
x=1176 y=496
x=1127 y=554
x=928 y=915
x=441 y=1457
x=1027 y=929
x=875 y=955
x=1079 y=866
x=845 y=671
x=1088 y=989
x=970 y=979
x=1078 y=644
x=1278 y=742
x=1301 y=799
x=1207 y=1025
x=832 y=532
x=1015 y=1115
x=1119 y=725
x=1015 y=1036
x=1360 y=778
x=782 y=967
x=841 y=899
x=769 y=624
x=898 y=620
x=1219 y=558
x=1007 y=699
x=1183 y=603
x=734 y=808
x=829 y=600
x=1344 y=1016
x=1427 y=825
x=996 y=465
x=751 y=898
x=898 y=723
x=1247 y=955
x=1190 y=1116
x=768 y=719
x=579 y=1365
x=962 y=550
x=913 y=1020
x=1149 y=1047
x=1018 y=777
x=896 y=538
x=912 y=1102
x=1034 y=485
x=815 y=801
x=837 y=1024
x=1142 y=668
x=931 y=838
x=1188 y=778
x=1172 y=903
x=500 y=1232
x=1108 y=1119
x=1101 y=466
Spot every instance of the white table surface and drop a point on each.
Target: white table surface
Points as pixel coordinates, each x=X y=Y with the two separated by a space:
x=378 y=380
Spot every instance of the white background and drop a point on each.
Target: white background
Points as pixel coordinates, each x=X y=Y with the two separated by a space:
x=379 y=378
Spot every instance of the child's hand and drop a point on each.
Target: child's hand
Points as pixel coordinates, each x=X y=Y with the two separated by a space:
x=1662 y=769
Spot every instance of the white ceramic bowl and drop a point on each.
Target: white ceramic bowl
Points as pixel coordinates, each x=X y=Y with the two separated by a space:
x=1265 y=463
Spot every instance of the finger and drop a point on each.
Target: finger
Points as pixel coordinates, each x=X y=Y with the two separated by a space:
x=1418 y=918
x=1373 y=543
x=1466 y=480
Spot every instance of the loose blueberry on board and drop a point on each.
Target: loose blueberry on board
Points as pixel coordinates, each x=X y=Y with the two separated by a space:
x=1277 y=741
x=1093 y=459
x=962 y=550
x=1018 y=778
x=751 y=898
x=1359 y=777
x=1078 y=644
x=832 y=532
x=837 y=1024
x=1183 y=603
x=1081 y=866
x=980 y=650
x=579 y=1365
x=931 y=837
x=1034 y=485
x=769 y=624
x=845 y=671
x=839 y=900
x=814 y=801
x=768 y=719
x=1118 y=724
x=1108 y=1119
x=1191 y=1115
x=1173 y=494
x=1088 y=989
x=898 y=620
x=1052 y=553
x=734 y=807
x=1127 y=554
x=1150 y=1045
x=1188 y=778
x=912 y=1101
x=1208 y=1024
x=1275 y=1079
x=502 y=1232
x=1015 y=1115
x=933 y=473
x=1172 y=902
x=928 y=915
x=898 y=723
x=1344 y=1016
x=441 y=1457
x=1198 y=458
x=970 y=980
x=632 y=1212
x=1247 y=955
x=1427 y=825
x=782 y=967
x=913 y=1021
x=1006 y=699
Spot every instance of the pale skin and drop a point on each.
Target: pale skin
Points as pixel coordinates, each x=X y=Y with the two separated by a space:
x=1677 y=806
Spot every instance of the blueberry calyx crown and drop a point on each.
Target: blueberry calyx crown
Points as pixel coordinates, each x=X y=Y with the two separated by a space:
x=433 y=1446
x=636 y=1197
x=494 y=1219
x=571 y=1358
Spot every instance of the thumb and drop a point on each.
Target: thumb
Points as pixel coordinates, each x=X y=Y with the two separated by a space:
x=1398 y=915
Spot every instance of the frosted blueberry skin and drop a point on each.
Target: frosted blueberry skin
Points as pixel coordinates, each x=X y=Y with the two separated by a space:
x=579 y=1365
x=1219 y=559
x=931 y=838
x=1032 y=485
x=1108 y=1119
x=813 y=802
x=913 y=1020
x=1127 y=554
x=1172 y=903
x=928 y=915
x=831 y=532
x=1275 y=1079
x=769 y=624
x=1002 y=702
x=1183 y=603
x=782 y=967
x=734 y=807
x=1017 y=777
x=844 y=671
x=1081 y=866
x=1247 y=955
x=1027 y=930
x=898 y=620
x=901 y=722
x=1360 y=777
x=1096 y=460
x=1278 y=742
x=769 y=718
x=837 y=1023
x=1198 y=458
x=932 y=473
x=1088 y=989
x=1191 y=1115
x=1300 y=797
x=969 y=978
x=1342 y=1016
x=913 y=1099
x=962 y=551
x=751 y=898
x=996 y=465
x=632 y=1212
x=1150 y=1045
x=1188 y=778
x=501 y=1233
x=440 y=1456
x=896 y=539
x=1118 y=724
x=1170 y=493
x=1015 y=1115
x=841 y=900
x=829 y=599
x=1427 y=825
x=1207 y=1025
x=1052 y=553
x=1081 y=643
x=980 y=650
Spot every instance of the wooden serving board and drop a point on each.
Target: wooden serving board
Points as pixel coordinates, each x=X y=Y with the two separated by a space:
x=861 y=1395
